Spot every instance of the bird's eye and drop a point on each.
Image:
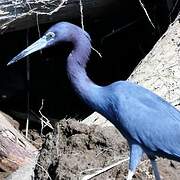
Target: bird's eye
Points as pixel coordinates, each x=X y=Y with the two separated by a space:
x=49 y=36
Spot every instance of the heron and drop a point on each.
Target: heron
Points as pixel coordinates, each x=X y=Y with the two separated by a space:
x=150 y=124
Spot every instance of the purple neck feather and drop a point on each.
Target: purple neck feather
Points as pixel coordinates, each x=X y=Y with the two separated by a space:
x=76 y=68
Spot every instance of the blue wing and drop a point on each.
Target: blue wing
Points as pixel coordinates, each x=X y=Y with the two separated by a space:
x=146 y=118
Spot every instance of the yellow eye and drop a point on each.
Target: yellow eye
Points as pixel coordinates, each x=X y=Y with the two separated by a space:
x=49 y=36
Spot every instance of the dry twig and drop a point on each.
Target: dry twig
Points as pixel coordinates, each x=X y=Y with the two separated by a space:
x=44 y=120
x=82 y=25
x=49 y=177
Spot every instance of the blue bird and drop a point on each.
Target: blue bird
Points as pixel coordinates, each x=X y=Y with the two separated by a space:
x=150 y=124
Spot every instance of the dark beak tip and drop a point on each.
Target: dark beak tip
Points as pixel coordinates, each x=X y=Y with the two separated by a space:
x=10 y=62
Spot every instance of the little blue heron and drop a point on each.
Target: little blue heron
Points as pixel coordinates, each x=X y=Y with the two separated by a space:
x=150 y=124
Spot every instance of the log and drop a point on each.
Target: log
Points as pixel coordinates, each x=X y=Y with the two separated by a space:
x=15 y=150
x=25 y=14
x=159 y=71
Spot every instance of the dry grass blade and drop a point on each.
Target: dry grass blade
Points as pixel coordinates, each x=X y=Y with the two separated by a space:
x=142 y=5
x=87 y=177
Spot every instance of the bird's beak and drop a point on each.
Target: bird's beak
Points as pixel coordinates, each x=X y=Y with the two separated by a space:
x=38 y=45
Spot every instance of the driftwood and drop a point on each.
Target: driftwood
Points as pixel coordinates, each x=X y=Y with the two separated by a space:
x=15 y=150
x=159 y=71
x=16 y=15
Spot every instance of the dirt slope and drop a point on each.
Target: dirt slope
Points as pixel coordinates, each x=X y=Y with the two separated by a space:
x=74 y=150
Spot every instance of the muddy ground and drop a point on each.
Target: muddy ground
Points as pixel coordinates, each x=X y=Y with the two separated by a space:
x=74 y=150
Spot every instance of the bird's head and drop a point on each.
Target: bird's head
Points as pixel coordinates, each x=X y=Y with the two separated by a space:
x=60 y=32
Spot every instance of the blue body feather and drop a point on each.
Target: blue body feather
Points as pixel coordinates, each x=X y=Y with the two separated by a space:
x=145 y=118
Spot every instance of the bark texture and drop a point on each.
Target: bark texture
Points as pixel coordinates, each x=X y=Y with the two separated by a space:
x=159 y=71
x=15 y=150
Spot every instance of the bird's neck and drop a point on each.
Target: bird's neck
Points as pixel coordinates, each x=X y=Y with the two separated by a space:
x=76 y=68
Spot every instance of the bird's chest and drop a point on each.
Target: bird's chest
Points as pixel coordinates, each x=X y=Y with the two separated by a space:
x=122 y=112
x=113 y=110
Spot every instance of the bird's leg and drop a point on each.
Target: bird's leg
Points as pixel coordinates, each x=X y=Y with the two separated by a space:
x=155 y=169
x=130 y=175
x=136 y=153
